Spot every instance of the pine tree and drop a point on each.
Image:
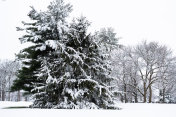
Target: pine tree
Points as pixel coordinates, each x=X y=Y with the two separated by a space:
x=63 y=67
x=77 y=77
x=107 y=40
x=45 y=28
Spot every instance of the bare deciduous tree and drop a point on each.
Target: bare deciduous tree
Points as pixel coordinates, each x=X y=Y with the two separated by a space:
x=8 y=71
x=143 y=67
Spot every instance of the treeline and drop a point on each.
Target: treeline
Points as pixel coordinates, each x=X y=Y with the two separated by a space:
x=145 y=73
x=8 y=73
x=67 y=67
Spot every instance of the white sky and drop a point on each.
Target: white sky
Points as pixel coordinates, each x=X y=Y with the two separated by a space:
x=133 y=20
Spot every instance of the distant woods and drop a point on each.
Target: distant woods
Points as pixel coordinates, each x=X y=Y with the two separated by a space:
x=8 y=73
x=145 y=73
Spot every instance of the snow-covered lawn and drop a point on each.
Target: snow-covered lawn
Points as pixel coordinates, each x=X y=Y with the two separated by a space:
x=6 y=104
x=128 y=110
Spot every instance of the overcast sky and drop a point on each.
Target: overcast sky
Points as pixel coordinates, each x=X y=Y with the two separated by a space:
x=133 y=20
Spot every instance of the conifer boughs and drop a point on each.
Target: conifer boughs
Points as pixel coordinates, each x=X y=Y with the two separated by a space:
x=64 y=67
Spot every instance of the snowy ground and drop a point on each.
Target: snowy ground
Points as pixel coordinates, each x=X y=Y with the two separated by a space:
x=128 y=110
x=6 y=104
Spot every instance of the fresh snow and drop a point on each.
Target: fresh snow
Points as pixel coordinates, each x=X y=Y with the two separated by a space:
x=5 y=104
x=128 y=110
x=52 y=44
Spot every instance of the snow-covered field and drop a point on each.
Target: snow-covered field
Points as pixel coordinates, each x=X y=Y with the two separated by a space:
x=128 y=110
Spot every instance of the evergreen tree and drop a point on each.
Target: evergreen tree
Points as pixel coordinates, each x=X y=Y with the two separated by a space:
x=46 y=28
x=107 y=40
x=63 y=67
x=78 y=76
x=109 y=45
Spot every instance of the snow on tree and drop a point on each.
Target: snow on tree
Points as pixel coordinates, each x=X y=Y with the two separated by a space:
x=78 y=77
x=144 y=69
x=126 y=74
x=107 y=40
x=63 y=68
x=8 y=71
x=109 y=45
x=44 y=29
x=166 y=83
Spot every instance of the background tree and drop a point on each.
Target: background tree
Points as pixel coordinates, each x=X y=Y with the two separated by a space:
x=151 y=57
x=126 y=74
x=167 y=78
x=142 y=67
x=107 y=40
x=108 y=45
x=8 y=71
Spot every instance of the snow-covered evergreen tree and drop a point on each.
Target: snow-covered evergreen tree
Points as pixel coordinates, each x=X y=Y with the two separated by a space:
x=42 y=32
x=109 y=45
x=63 y=67
x=77 y=77
x=107 y=40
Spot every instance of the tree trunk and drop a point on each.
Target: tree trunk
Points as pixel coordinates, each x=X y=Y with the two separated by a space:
x=145 y=98
x=163 y=95
x=135 y=97
x=135 y=92
x=9 y=96
x=19 y=96
x=125 y=95
x=145 y=93
x=121 y=98
x=0 y=94
x=9 y=88
x=3 y=95
x=150 y=94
